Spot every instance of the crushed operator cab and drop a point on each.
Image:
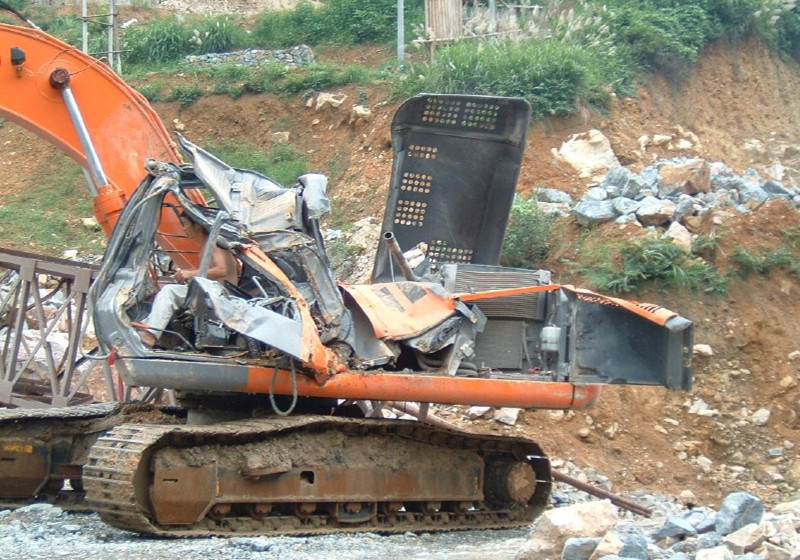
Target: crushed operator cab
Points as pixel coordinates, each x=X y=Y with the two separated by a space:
x=451 y=312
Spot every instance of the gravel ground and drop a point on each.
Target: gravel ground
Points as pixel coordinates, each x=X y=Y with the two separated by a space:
x=42 y=531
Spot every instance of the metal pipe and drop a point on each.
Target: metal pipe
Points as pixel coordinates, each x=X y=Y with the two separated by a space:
x=399 y=258
x=615 y=499
x=59 y=79
x=402 y=387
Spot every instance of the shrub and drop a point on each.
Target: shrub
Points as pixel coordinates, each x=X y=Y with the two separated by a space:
x=216 y=35
x=336 y=21
x=551 y=75
x=152 y=91
x=187 y=94
x=747 y=263
x=666 y=38
x=161 y=40
x=529 y=236
x=627 y=267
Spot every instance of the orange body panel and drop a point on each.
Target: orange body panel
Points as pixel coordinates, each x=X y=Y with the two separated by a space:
x=401 y=309
x=391 y=386
x=123 y=127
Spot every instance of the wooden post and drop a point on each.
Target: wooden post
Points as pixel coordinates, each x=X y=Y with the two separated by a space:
x=443 y=22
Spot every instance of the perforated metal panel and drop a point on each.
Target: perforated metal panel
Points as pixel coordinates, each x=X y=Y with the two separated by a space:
x=456 y=163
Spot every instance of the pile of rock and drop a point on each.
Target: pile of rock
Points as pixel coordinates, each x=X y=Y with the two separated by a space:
x=741 y=529
x=678 y=193
x=296 y=56
x=678 y=190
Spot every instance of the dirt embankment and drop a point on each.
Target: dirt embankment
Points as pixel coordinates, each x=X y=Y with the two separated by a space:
x=636 y=436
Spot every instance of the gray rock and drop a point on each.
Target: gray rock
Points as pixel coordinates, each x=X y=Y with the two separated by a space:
x=675 y=527
x=634 y=546
x=702 y=519
x=738 y=509
x=752 y=193
x=579 y=548
x=648 y=179
x=708 y=540
x=558 y=208
x=626 y=219
x=623 y=205
x=617 y=176
x=776 y=188
x=685 y=206
x=544 y=194
x=596 y=193
x=594 y=212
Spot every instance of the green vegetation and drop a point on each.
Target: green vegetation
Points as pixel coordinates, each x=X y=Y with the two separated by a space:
x=628 y=266
x=580 y=52
x=282 y=163
x=573 y=52
x=529 y=236
x=187 y=94
x=762 y=262
x=233 y=80
x=336 y=21
x=786 y=256
x=40 y=216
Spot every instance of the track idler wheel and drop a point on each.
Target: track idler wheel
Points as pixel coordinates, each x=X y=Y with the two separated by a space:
x=218 y=512
x=509 y=482
x=304 y=510
x=259 y=511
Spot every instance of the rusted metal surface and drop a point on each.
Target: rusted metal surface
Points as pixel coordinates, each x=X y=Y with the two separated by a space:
x=42 y=449
x=346 y=475
x=615 y=499
x=54 y=380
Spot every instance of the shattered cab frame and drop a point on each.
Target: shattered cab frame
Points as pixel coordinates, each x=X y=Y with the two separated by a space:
x=288 y=328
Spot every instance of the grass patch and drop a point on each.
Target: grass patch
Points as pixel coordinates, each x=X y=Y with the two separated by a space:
x=552 y=75
x=336 y=21
x=747 y=263
x=43 y=217
x=629 y=266
x=234 y=81
x=186 y=94
x=282 y=163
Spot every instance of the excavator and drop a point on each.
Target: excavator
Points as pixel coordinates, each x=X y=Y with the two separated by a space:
x=281 y=379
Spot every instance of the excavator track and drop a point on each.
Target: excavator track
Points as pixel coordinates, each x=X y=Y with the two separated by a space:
x=311 y=475
x=41 y=449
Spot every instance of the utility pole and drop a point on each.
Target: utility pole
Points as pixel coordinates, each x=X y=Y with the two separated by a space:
x=401 y=31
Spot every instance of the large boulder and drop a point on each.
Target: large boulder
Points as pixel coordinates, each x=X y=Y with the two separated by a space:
x=588 y=153
x=555 y=526
x=738 y=509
